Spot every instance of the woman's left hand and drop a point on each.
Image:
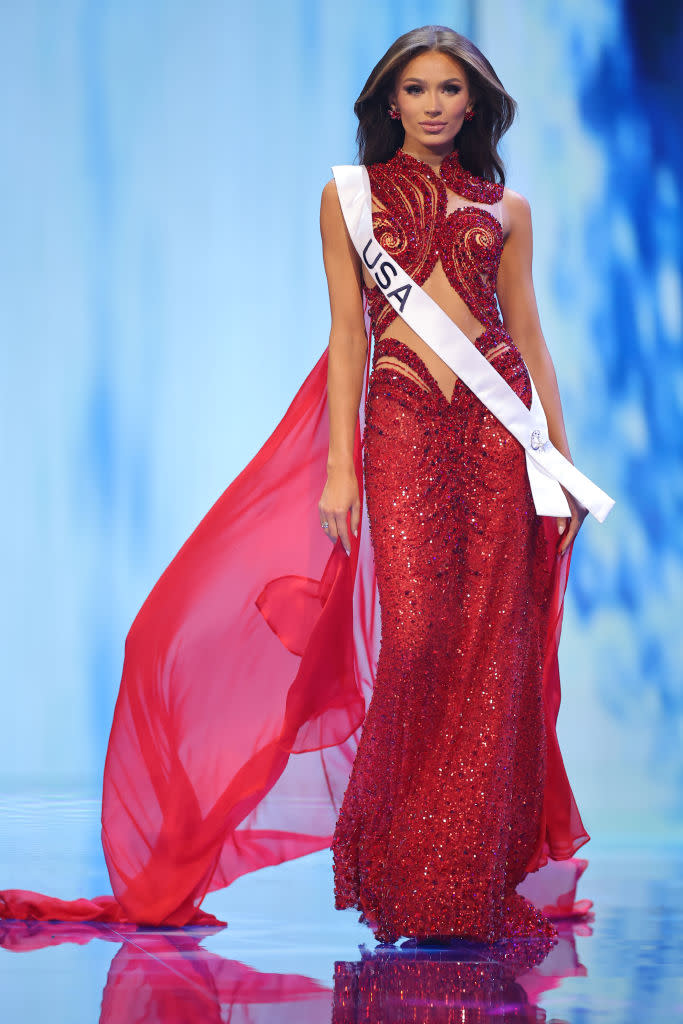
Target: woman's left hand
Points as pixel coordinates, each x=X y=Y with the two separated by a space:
x=569 y=528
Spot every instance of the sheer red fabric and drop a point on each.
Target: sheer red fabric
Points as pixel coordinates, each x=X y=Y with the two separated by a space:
x=245 y=680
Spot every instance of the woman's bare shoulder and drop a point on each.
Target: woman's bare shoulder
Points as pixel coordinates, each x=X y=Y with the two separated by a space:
x=515 y=203
x=330 y=194
x=330 y=207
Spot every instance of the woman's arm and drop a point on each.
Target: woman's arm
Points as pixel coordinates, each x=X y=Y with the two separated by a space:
x=517 y=301
x=346 y=365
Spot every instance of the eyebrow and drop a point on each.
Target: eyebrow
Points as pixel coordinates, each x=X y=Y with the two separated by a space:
x=421 y=81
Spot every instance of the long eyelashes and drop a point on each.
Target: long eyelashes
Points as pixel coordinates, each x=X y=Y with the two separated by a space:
x=415 y=90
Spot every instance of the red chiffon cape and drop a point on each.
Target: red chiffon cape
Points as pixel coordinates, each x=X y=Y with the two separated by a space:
x=245 y=680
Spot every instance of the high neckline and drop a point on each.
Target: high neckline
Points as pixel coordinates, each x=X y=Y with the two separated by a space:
x=450 y=175
x=449 y=163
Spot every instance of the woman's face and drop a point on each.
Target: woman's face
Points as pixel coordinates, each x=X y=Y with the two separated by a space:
x=432 y=95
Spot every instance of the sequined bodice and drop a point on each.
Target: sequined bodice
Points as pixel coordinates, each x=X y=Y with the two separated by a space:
x=410 y=220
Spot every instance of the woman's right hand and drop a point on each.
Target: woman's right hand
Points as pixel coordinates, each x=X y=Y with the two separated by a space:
x=340 y=495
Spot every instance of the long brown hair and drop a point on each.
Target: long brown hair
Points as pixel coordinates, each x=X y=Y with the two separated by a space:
x=379 y=136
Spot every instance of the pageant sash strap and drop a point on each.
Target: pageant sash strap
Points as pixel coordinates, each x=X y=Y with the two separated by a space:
x=547 y=468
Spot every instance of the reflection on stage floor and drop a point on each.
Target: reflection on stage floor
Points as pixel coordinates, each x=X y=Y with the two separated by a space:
x=287 y=955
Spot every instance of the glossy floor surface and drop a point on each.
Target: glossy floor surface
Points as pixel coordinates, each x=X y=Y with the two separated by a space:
x=288 y=956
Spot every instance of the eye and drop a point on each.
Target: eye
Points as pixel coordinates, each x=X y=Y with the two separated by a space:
x=452 y=89
x=413 y=90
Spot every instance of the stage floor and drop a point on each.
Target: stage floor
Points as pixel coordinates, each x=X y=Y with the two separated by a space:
x=288 y=956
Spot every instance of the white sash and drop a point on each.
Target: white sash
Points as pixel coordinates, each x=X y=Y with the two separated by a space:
x=547 y=468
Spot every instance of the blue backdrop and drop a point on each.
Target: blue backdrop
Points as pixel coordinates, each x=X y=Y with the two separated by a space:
x=156 y=157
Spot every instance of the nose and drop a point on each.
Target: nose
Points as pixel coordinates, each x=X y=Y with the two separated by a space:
x=433 y=108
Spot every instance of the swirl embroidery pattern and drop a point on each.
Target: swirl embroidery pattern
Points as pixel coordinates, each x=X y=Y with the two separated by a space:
x=413 y=225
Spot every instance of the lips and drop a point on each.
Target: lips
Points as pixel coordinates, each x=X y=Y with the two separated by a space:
x=433 y=126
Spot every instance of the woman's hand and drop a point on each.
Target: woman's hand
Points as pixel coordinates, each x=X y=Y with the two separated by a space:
x=339 y=495
x=570 y=527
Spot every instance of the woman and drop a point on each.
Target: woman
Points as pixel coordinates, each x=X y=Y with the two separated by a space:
x=248 y=669
x=444 y=812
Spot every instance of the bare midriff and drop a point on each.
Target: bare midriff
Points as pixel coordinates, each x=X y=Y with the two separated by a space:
x=438 y=287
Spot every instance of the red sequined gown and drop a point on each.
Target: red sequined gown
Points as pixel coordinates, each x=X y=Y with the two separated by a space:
x=248 y=669
x=444 y=809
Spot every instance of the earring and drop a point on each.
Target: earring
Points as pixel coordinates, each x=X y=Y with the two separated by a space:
x=469 y=115
x=394 y=114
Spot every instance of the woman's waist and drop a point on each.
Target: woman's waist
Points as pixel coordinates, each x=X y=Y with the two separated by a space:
x=472 y=317
x=491 y=340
